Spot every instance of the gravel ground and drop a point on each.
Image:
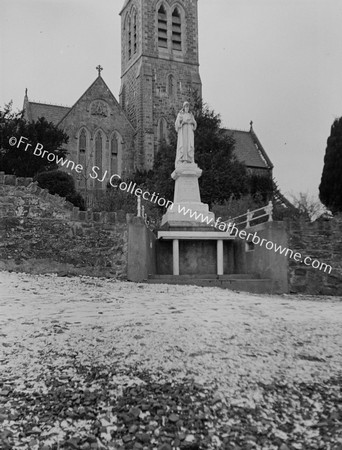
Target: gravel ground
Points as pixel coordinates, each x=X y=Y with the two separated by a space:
x=91 y=363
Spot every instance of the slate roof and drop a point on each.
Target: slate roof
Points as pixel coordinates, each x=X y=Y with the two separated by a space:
x=52 y=113
x=56 y=113
x=249 y=150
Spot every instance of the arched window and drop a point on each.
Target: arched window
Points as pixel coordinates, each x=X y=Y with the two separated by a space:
x=98 y=152
x=114 y=149
x=162 y=27
x=171 y=86
x=129 y=38
x=82 y=152
x=82 y=143
x=162 y=131
x=176 y=30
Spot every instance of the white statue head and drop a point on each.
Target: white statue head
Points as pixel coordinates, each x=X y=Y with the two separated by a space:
x=186 y=106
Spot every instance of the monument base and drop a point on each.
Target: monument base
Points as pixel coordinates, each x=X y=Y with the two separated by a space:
x=188 y=214
x=187 y=209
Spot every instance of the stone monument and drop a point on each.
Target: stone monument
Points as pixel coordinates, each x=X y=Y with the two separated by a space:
x=186 y=175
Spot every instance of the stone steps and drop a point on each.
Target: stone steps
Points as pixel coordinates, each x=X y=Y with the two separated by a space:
x=232 y=276
x=237 y=282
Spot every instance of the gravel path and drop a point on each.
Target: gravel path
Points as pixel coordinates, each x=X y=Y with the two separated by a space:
x=166 y=367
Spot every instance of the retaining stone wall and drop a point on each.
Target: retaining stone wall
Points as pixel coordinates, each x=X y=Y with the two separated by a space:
x=44 y=233
x=321 y=240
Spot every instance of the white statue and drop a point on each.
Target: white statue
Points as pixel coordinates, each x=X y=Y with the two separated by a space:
x=185 y=127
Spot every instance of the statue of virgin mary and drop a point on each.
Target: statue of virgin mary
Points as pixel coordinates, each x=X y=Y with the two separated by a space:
x=185 y=127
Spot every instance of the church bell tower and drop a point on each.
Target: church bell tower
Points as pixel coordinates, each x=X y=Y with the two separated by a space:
x=159 y=68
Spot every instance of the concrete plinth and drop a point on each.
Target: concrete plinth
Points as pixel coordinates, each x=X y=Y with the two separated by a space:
x=198 y=253
x=187 y=206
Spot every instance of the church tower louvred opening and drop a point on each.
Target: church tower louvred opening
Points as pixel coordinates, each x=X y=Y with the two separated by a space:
x=134 y=33
x=129 y=31
x=176 y=30
x=162 y=27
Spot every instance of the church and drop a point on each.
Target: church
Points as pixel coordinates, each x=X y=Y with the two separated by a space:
x=159 y=71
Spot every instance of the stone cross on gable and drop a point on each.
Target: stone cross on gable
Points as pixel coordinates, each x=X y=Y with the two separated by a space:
x=99 y=69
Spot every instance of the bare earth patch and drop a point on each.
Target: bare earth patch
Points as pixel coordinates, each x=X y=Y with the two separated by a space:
x=91 y=363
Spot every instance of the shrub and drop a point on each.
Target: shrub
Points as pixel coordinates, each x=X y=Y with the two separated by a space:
x=56 y=182
x=237 y=206
x=113 y=199
x=61 y=183
x=77 y=200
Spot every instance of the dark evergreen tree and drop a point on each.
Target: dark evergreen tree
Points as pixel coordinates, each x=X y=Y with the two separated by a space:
x=14 y=159
x=164 y=165
x=261 y=188
x=56 y=182
x=223 y=175
x=330 y=189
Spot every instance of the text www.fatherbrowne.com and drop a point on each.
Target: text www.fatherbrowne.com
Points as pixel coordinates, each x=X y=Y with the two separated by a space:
x=253 y=238
x=230 y=228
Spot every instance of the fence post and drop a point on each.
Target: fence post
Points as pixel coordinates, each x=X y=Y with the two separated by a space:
x=139 y=206
x=248 y=218
x=270 y=210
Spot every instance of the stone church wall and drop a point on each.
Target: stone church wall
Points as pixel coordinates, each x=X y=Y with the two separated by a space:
x=320 y=240
x=156 y=81
x=43 y=233
x=109 y=119
x=167 y=101
x=133 y=105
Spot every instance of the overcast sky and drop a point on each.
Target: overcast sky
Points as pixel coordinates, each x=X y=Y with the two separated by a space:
x=276 y=62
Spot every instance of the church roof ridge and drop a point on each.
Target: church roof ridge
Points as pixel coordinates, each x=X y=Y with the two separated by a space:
x=236 y=129
x=48 y=104
x=52 y=112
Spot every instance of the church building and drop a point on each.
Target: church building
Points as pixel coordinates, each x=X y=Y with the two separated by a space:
x=159 y=71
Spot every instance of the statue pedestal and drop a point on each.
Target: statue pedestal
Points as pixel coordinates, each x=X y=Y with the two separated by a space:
x=187 y=208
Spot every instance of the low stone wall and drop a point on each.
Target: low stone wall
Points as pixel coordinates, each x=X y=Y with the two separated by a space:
x=44 y=233
x=141 y=250
x=322 y=241
x=267 y=263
